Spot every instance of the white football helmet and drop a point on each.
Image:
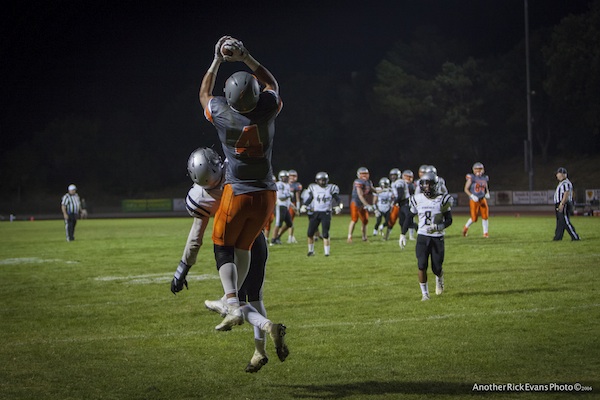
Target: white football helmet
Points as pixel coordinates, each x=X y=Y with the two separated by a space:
x=283 y=175
x=205 y=167
x=429 y=184
x=394 y=174
x=384 y=183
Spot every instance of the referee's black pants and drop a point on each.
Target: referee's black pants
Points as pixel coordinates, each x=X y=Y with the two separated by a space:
x=563 y=222
x=70 y=223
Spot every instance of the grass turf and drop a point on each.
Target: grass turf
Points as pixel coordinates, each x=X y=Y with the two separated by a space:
x=95 y=319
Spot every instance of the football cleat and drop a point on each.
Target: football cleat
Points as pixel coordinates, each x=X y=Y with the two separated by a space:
x=310 y=254
x=486 y=235
x=439 y=286
x=464 y=231
x=425 y=297
x=216 y=306
x=234 y=317
x=277 y=334
x=257 y=362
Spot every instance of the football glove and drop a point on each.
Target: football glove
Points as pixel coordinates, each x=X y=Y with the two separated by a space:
x=179 y=280
x=369 y=208
x=377 y=213
x=487 y=195
x=435 y=228
x=237 y=48
x=337 y=209
x=474 y=198
x=303 y=209
x=402 y=242
x=218 y=45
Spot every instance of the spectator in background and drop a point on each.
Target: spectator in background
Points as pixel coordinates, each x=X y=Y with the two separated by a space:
x=563 y=202
x=71 y=209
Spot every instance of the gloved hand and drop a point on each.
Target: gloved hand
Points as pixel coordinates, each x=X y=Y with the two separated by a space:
x=179 y=280
x=337 y=209
x=239 y=52
x=303 y=209
x=487 y=195
x=474 y=198
x=402 y=242
x=435 y=228
x=218 y=55
x=377 y=213
x=369 y=208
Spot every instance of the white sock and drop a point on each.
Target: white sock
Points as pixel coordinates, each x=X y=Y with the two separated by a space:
x=253 y=317
x=326 y=250
x=311 y=247
x=424 y=288
x=485 y=225
x=229 y=277
x=469 y=222
x=260 y=307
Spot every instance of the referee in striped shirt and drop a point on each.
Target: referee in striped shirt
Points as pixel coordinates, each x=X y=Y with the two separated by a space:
x=71 y=209
x=563 y=204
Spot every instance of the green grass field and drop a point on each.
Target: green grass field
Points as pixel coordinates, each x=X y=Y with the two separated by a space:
x=95 y=319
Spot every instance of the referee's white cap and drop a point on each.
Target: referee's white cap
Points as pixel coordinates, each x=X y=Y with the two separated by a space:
x=72 y=187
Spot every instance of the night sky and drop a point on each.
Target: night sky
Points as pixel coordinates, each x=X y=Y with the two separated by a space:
x=90 y=58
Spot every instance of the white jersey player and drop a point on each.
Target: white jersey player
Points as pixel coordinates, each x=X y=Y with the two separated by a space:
x=434 y=212
x=423 y=169
x=322 y=197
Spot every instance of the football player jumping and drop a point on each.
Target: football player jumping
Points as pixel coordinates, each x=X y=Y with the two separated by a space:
x=206 y=171
x=434 y=212
x=245 y=123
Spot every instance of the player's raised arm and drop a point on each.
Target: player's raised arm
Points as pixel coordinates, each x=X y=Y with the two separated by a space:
x=208 y=82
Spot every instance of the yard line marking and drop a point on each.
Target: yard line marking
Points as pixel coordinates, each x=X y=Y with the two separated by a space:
x=153 y=278
x=309 y=326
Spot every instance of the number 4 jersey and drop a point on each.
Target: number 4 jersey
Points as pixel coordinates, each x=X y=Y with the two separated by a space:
x=247 y=141
x=430 y=211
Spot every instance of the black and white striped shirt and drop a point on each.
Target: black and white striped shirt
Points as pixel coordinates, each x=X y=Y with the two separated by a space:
x=563 y=186
x=72 y=203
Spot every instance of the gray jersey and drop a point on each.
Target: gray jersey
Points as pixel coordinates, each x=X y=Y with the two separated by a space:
x=430 y=211
x=247 y=141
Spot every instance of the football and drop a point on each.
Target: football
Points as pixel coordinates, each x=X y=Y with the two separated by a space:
x=227 y=49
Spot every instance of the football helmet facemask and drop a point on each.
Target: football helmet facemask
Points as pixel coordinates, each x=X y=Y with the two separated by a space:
x=322 y=179
x=283 y=175
x=478 y=169
x=361 y=171
x=384 y=183
x=428 y=184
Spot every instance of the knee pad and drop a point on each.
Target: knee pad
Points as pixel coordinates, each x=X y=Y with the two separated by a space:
x=223 y=255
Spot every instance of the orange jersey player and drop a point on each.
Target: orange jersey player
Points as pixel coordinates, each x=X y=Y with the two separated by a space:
x=361 y=202
x=477 y=188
